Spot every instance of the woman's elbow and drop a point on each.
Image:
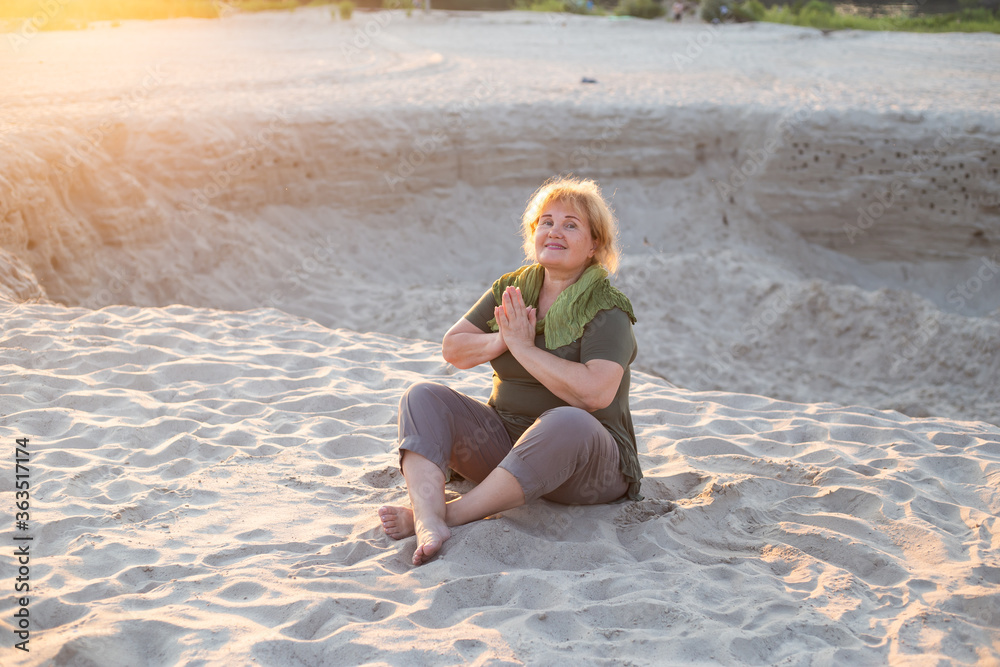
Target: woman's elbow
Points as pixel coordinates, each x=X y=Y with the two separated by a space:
x=596 y=402
x=459 y=363
x=451 y=356
x=448 y=350
x=605 y=380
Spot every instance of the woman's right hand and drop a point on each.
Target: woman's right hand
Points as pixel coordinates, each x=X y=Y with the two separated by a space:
x=499 y=344
x=516 y=321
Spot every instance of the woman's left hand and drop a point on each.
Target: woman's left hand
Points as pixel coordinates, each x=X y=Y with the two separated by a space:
x=516 y=321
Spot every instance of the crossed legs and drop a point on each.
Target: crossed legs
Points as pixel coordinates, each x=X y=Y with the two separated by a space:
x=431 y=518
x=566 y=456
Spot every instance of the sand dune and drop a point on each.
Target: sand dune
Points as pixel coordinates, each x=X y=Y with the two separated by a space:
x=199 y=243
x=207 y=481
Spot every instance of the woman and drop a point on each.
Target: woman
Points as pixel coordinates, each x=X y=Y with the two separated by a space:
x=557 y=424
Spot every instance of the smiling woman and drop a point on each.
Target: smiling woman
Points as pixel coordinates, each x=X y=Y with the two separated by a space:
x=557 y=424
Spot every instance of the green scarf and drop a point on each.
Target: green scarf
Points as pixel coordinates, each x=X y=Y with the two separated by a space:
x=572 y=310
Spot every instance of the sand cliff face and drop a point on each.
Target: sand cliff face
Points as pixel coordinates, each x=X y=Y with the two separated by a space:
x=903 y=190
x=211 y=177
x=866 y=185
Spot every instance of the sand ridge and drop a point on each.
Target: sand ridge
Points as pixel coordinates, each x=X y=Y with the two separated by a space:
x=770 y=530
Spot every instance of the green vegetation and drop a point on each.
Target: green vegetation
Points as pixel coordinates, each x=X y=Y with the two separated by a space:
x=399 y=4
x=713 y=9
x=643 y=9
x=755 y=9
x=541 y=6
x=567 y=6
x=825 y=16
x=646 y=9
x=29 y=16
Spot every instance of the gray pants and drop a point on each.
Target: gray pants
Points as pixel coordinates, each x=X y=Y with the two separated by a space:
x=566 y=456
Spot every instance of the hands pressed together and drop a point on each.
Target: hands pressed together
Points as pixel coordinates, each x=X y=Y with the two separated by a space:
x=516 y=320
x=590 y=385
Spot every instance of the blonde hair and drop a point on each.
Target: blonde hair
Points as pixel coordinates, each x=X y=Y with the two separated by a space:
x=585 y=196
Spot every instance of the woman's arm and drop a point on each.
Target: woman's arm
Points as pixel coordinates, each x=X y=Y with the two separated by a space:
x=591 y=385
x=465 y=346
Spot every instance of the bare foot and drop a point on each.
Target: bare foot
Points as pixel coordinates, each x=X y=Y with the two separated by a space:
x=430 y=539
x=397 y=522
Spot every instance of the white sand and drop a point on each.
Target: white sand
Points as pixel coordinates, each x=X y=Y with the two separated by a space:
x=206 y=485
x=204 y=480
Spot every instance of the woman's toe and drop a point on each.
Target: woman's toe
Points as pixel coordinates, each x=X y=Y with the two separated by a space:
x=396 y=521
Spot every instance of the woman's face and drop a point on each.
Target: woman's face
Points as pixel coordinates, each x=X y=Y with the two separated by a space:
x=562 y=238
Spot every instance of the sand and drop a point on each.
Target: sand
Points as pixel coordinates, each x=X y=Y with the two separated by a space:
x=228 y=246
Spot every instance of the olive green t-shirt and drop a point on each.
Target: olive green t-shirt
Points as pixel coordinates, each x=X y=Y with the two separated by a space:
x=520 y=399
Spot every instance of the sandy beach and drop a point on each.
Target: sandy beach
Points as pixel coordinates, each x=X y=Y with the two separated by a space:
x=228 y=246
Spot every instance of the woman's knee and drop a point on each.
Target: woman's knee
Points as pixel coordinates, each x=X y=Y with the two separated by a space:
x=574 y=422
x=567 y=412
x=421 y=392
x=566 y=436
